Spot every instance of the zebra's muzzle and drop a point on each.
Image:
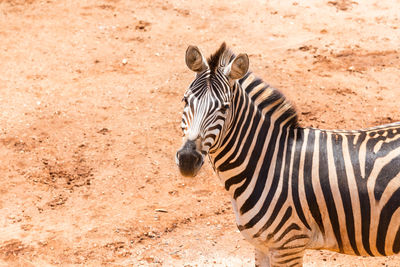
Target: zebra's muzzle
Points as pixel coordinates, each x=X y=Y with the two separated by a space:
x=188 y=159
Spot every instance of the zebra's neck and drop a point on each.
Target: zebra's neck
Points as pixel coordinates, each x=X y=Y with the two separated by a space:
x=261 y=121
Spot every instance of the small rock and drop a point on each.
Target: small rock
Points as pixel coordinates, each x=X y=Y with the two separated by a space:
x=103 y=131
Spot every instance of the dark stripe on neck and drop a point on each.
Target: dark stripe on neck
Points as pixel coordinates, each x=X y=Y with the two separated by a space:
x=308 y=187
x=295 y=177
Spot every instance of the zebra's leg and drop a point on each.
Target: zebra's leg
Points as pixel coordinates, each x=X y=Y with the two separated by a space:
x=287 y=257
x=261 y=259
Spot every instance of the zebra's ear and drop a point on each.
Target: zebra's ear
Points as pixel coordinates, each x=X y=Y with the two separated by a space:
x=239 y=67
x=194 y=59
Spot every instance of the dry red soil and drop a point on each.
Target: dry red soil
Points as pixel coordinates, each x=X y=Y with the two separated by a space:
x=90 y=104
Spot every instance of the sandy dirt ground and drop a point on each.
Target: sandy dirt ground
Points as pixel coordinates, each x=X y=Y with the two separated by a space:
x=90 y=104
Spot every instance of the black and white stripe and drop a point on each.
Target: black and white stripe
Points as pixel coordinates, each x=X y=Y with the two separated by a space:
x=296 y=188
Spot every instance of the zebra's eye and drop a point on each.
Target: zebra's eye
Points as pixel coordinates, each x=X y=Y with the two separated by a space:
x=224 y=107
x=184 y=99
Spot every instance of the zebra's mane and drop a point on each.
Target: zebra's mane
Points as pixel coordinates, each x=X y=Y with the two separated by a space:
x=269 y=96
x=222 y=57
x=268 y=99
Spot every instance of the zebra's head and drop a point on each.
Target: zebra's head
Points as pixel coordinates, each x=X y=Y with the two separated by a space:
x=207 y=104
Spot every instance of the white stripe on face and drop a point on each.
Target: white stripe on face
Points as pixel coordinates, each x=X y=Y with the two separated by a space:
x=200 y=118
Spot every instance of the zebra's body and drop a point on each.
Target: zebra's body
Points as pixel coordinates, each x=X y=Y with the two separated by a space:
x=295 y=188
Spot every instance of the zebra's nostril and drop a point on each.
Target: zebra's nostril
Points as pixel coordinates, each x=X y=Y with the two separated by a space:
x=187 y=158
x=189 y=162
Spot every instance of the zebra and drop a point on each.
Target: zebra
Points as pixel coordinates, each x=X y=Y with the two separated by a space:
x=291 y=188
